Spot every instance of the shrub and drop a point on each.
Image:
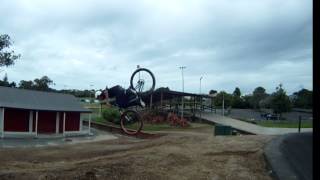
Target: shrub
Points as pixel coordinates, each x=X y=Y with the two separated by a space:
x=111 y=115
x=158 y=117
x=174 y=120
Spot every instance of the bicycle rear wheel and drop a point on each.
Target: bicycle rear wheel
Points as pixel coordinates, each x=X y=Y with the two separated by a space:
x=131 y=122
x=142 y=80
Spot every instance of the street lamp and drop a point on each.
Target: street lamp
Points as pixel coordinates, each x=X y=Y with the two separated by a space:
x=200 y=85
x=91 y=85
x=200 y=97
x=182 y=67
x=223 y=104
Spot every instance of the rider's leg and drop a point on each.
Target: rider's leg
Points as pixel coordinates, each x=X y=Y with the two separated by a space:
x=137 y=102
x=134 y=98
x=132 y=95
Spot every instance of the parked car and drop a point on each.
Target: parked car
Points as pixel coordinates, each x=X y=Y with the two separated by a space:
x=269 y=116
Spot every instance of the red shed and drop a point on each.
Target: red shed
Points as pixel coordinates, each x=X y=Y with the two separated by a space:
x=30 y=112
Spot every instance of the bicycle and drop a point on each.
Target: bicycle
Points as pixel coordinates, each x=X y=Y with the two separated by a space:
x=142 y=83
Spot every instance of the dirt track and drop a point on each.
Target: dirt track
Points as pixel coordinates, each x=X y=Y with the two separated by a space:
x=178 y=155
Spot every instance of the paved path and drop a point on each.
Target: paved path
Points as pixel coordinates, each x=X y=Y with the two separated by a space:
x=97 y=135
x=290 y=156
x=248 y=127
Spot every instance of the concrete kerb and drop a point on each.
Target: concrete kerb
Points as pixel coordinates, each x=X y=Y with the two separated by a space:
x=47 y=140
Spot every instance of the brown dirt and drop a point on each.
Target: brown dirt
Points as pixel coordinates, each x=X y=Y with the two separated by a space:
x=178 y=155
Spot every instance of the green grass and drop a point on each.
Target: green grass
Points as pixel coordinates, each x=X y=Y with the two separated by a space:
x=285 y=124
x=167 y=127
x=156 y=127
x=153 y=127
x=98 y=119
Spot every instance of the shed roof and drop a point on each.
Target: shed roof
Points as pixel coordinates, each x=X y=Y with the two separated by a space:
x=39 y=100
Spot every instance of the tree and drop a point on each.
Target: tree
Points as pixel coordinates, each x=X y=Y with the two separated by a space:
x=212 y=91
x=7 y=57
x=236 y=92
x=223 y=95
x=247 y=99
x=6 y=83
x=13 y=84
x=302 y=99
x=280 y=102
x=237 y=101
x=43 y=83
x=26 y=84
x=266 y=102
x=258 y=94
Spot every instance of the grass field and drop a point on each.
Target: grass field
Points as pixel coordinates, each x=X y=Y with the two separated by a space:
x=285 y=124
x=167 y=127
x=280 y=123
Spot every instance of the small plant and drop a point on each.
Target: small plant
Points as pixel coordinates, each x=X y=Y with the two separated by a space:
x=111 y=115
x=174 y=120
x=160 y=117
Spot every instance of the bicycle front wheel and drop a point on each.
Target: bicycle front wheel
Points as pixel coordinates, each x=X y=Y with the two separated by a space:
x=142 y=80
x=131 y=122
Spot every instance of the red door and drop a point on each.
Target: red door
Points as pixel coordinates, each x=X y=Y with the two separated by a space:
x=72 y=121
x=46 y=122
x=16 y=120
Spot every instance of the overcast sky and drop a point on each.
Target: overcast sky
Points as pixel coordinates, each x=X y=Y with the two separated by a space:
x=243 y=43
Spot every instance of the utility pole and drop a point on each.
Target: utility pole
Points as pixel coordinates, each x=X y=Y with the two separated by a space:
x=222 y=103
x=200 y=99
x=91 y=100
x=200 y=85
x=182 y=67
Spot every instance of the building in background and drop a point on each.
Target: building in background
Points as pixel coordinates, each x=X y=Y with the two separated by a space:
x=30 y=113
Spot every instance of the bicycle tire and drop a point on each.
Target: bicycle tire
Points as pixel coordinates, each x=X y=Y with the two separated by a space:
x=123 y=123
x=153 y=81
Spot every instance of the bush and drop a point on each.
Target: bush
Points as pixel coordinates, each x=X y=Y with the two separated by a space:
x=111 y=115
x=174 y=120
x=160 y=117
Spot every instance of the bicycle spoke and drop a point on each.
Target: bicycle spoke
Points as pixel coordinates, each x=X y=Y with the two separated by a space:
x=142 y=80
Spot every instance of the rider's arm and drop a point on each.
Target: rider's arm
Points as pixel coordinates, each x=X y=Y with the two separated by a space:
x=109 y=100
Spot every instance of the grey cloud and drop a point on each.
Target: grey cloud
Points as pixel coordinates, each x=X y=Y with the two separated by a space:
x=230 y=43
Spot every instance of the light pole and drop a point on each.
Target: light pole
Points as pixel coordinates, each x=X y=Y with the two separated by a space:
x=223 y=104
x=200 y=99
x=182 y=67
x=200 y=85
x=91 y=85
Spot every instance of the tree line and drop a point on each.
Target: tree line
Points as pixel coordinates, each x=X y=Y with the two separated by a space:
x=279 y=101
x=43 y=84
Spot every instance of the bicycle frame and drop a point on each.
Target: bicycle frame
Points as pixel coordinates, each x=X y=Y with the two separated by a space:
x=129 y=116
x=140 y=85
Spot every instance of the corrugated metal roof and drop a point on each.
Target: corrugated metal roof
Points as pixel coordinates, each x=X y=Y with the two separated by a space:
x=38 y=100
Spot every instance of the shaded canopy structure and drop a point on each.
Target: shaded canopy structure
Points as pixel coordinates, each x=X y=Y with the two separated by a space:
x=162 y=94
x=166 y=99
